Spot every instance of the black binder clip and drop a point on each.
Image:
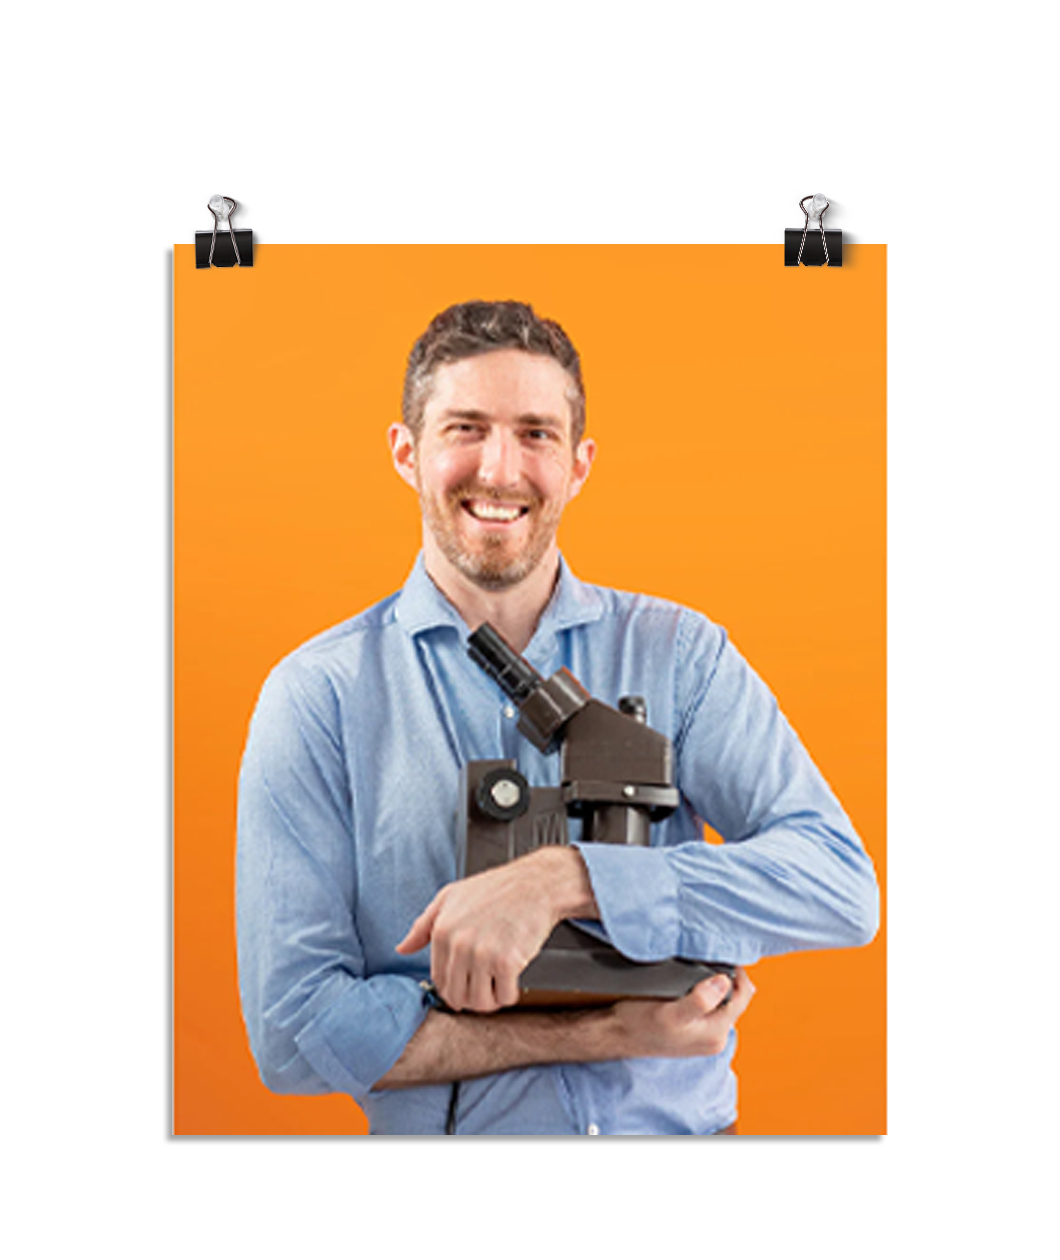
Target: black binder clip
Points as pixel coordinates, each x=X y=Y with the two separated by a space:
x=813 y=246
x=234 y=250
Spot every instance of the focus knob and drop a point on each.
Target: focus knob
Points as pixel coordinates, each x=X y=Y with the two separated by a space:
x=503 y=794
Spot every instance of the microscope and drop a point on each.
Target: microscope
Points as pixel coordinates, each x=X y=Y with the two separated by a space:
x=616 y=780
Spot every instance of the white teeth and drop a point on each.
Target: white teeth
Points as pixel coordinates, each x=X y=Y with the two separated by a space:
x=494 y=512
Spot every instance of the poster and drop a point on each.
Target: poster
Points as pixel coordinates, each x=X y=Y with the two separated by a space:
x=739 y=412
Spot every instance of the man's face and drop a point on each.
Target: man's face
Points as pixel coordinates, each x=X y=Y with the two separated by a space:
x=493 y=465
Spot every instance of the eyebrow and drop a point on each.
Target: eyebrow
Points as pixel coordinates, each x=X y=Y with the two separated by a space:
x=530 y=418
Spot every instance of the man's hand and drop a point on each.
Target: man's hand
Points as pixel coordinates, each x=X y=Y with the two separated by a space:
x=484 y=931
x=696 y=1024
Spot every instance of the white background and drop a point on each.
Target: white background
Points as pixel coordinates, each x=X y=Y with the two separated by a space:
x=931 y=128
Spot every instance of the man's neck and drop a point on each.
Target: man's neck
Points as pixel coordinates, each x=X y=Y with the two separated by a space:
x=513 y=612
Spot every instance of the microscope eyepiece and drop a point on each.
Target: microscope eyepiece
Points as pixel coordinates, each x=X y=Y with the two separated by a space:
x=516 y=677
x=545 y=706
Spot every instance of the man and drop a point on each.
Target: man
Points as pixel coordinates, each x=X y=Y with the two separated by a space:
x=348 y=890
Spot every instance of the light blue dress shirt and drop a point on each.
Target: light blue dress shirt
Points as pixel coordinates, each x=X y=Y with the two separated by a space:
x=347 y=807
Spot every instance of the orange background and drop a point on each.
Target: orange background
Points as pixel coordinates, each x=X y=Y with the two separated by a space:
x=739 y=410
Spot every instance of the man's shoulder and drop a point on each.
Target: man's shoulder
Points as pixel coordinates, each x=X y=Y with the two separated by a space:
x=637 y=612
x=617 y=601
x=341 y=645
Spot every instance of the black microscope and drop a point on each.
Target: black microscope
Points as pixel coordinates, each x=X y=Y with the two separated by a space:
x=616 y=778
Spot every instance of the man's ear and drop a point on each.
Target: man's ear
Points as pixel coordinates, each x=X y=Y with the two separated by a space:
x=583 y=462
x=403 y=452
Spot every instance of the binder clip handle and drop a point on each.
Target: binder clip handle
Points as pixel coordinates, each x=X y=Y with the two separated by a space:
x=817 y=209
x=222 y=209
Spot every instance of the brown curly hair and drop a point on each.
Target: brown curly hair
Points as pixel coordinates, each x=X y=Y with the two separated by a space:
x=473 y=328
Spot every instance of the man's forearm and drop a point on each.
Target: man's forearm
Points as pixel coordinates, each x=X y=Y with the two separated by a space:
x=457 y=1047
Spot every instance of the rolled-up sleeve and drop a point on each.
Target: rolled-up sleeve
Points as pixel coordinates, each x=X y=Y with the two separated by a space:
x=792 y=873
x=316 y=1023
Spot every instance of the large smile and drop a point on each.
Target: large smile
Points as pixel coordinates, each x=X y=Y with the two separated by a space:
x=489 y=512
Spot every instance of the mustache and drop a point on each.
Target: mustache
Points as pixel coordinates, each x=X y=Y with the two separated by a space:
x=488 y=494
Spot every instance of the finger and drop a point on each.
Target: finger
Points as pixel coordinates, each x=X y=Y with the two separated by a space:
x=451 y=967
x=419 y=935
x=480 y=994
x=706 y=997
x=506 y=987
x=742 y=993
x=455 y=988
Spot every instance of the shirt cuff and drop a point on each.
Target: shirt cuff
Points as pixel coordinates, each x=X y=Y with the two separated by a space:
x=361 y=1033
x=636 y=892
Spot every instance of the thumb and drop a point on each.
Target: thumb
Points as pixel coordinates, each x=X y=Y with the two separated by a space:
x=707 y=996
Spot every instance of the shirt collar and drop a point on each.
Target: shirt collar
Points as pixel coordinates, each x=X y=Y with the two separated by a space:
x=421 y=606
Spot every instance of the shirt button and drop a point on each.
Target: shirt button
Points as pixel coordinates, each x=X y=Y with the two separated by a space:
x=593 y=1130
x=509 y=712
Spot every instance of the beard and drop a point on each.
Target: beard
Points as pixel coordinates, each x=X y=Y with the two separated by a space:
x=491 y=560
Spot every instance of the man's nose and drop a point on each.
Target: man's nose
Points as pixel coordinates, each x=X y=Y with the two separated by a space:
x=500 y=462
